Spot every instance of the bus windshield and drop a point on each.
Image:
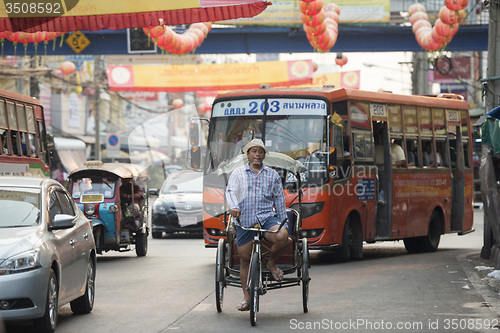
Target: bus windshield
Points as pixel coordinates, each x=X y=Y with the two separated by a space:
x=297 y=136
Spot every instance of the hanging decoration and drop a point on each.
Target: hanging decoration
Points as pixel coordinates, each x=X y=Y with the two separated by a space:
x=320 y=23
x=25 y=38
x=68 y=67
x=434 y=38
x=170 y=41
x=341 y=59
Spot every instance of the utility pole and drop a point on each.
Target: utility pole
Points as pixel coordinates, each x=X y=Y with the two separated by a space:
x=419 y=78
x=98 y=72
x=491 y=86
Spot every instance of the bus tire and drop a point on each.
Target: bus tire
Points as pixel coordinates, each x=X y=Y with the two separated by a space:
x=352 y=241
x=430 y=242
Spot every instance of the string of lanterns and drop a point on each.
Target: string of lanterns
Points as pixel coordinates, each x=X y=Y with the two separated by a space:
x=321 y=23
x=26 y=37
x=434 y=38
x=170 y=41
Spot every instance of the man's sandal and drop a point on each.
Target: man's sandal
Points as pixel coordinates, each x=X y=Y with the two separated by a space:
x=243 y=306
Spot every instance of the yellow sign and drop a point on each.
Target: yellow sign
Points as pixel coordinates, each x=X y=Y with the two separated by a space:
x=77 y=41
x=91 y=198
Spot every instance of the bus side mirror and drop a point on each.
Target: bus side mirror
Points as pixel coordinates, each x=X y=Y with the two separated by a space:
x=332 y=158
x=194 y=135
x=195 y=157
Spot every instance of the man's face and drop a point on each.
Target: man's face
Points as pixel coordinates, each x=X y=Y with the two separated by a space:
x=256 y=155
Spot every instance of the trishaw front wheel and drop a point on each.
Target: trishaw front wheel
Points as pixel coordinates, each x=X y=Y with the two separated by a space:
x=254 y=288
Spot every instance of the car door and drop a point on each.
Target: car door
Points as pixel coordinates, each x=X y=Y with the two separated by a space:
x=71 y=245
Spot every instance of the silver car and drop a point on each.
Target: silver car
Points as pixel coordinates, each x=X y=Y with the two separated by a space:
x=47 y=253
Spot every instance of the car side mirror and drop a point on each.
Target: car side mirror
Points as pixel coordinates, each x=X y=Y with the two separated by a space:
x=153 y=192
x=62 y=221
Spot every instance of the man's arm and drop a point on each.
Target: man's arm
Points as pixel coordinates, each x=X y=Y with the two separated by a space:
x=231 y=196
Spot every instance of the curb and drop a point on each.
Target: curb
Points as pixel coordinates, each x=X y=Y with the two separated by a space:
x=490 y=297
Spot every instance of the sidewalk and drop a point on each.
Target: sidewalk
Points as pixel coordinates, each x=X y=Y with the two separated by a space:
x=487 y=287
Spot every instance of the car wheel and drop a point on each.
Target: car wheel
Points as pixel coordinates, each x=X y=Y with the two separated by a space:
x=47 y=324
x=85 y=303
x=157 y=235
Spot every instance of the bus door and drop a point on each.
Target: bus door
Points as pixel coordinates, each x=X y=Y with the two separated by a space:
x=457 y=159
x=383 y=224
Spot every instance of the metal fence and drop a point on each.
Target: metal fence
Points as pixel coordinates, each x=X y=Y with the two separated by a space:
x=477 y=11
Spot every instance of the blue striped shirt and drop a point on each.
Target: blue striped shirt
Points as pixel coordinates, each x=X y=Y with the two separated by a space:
x=256 y=195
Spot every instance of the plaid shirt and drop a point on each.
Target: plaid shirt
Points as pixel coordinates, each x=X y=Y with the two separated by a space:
x=256 y=195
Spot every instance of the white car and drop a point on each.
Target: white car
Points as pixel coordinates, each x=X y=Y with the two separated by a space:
x=47 y=253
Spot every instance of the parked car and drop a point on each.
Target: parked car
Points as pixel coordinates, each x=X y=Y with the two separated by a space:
x=178 y=207
x=47 y=252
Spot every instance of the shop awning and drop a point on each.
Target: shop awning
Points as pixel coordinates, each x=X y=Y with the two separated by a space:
x=94 y=15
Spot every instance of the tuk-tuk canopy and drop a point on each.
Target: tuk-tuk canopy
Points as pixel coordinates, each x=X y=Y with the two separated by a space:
x=119 y=170
x=272 y=159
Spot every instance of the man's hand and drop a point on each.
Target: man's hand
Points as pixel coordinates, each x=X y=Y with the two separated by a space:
x=236 y=213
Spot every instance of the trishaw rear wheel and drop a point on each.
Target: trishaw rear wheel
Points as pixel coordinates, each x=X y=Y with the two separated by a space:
x=219 y=274
x=305 y=275
x=141 y=244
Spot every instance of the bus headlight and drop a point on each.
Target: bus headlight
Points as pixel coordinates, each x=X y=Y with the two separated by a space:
x=89 y=209
x=214 y=209
x=216 y=232
x=113 y=209
x=309 y=209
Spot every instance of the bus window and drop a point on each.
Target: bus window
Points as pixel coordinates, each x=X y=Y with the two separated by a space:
x=410 y=119
x=3 y=115
x=438 y=120
x=4 y=142
x=362 y=147
x=32 y=142
x=412 y=153
x=441 y=152
x=42 y=138
x=428 y=156
x=395 y=123
x=424 y=121
x=466 y=146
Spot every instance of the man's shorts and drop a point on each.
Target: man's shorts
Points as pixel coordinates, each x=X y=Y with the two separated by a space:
x=245 y=236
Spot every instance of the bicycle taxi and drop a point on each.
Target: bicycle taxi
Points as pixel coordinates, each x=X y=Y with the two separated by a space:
x=294 y=262
x=117 y=225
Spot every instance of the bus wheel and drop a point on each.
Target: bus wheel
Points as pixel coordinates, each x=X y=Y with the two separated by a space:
x=430 y=242
x=352 y=242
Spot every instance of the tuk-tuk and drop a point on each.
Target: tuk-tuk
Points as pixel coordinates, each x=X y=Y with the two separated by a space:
x=114 y=197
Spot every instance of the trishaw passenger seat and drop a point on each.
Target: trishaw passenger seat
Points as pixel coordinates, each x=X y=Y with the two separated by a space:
x=292 y=221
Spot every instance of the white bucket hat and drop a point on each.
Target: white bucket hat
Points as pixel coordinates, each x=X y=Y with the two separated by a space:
x=255 y=143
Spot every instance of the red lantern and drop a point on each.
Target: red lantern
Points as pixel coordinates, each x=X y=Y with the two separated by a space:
x=332 y=7
x=311 y=8
x=421 y=24
x=313 y=20
x=157 y=31
x=448 y=16
x=341 y=59
x=178 y=103
x=456 y=4
x=68 y=67
x=443 y=29
x=416 y=7
x=418 y=16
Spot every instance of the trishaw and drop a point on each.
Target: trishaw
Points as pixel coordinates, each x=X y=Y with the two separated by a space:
x=295 y=259
x=117 y=226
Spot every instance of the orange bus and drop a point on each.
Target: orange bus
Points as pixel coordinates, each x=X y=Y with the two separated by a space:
x=352 y=191
x=23 y=138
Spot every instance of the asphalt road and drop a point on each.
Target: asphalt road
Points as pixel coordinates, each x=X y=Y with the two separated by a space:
x=172 y=289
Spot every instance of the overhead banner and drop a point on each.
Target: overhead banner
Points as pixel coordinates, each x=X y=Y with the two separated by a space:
x=182 y=78
x=349 y=79
x=93 y=15
x=287 y=13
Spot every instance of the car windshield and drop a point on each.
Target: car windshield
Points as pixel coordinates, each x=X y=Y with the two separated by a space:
x=20 y=207
x=186 y=183
x=95 y=185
